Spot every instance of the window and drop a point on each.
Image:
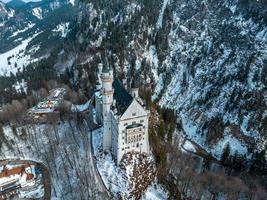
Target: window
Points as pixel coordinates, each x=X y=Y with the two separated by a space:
x=134 y=114
x=134 y=122
x=122 y=149
x=141 y=121
x=125 y=124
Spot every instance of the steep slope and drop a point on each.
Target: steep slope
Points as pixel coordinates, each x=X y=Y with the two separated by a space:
x=5 y=13
x=217 y=63
x=207 y=60
x=32 y=32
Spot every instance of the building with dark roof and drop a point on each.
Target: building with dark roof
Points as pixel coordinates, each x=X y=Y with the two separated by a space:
x=124 y=118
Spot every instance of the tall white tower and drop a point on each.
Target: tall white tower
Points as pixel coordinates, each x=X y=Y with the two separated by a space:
x=107 y=95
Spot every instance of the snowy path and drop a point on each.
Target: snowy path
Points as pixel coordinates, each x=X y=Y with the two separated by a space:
x=97 y=178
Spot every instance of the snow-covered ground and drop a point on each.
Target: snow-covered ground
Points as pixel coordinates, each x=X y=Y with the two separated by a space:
x=37 y=12
x=81 y=107
x=113 y=177
x=188 y=146
x=62 y=29
x=72 y=2
x=234 y=144
x=30 y=25
x=117 y=180
x=64 y=149
x=159 y=22
x=16 y=58
x=20 y=86
x=155 y=192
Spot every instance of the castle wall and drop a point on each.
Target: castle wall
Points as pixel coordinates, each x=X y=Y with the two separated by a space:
x=133 y=131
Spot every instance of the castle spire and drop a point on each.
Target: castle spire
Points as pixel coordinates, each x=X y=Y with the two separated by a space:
x=106 y=68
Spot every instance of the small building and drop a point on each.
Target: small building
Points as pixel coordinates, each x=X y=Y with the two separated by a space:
x=124 y=117
x=48 y=109
x=11 y=180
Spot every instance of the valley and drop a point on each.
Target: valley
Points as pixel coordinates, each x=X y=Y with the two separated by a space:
x=201 y=71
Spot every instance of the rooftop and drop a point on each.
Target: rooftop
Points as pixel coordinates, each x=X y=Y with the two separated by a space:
x=14 y=171
x=122 y=98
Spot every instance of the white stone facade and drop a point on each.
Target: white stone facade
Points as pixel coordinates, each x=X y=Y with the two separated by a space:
x=125 y=121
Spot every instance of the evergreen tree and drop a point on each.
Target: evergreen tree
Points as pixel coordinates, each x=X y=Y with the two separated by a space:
x=226 y=153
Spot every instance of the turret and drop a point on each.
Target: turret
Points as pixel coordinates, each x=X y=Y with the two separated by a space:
x=134 y=89
x=107 y=95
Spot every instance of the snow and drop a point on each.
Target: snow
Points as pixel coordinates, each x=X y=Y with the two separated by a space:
x=116 y=179
x=159 y=87
x=72 y=2
x=80 y=108
x=11 y=13
x=189 y=146
x=152 y=57
x=235 y=146
x=29 y=26
x=155 y=192
x=190 y=129
x=112 y=175
x=37 y=193
x=64 y=148
x=63 y=29
x=159 y=22
x=20 y=86
x=37 y=12
x=16 y=55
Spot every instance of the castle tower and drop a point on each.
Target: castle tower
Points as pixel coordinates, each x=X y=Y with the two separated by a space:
x=107 y=96
x=134 y=89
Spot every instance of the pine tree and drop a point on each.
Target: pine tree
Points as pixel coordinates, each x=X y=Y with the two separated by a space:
x=226 y=153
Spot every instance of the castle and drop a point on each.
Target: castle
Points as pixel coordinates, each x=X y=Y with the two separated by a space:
x=124 y=118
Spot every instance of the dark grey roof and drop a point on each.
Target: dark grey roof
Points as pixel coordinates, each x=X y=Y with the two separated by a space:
x=122 y=97
x=105 y=68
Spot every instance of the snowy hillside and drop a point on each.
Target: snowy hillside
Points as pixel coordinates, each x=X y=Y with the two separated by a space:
x=5 y=13
x=218 y=74
x=207 y=60
x=63 y=148
x=28 y=33
x=14 y=60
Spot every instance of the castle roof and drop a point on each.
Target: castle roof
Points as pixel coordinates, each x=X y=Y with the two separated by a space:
x=122 y=98
x=105 y=68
